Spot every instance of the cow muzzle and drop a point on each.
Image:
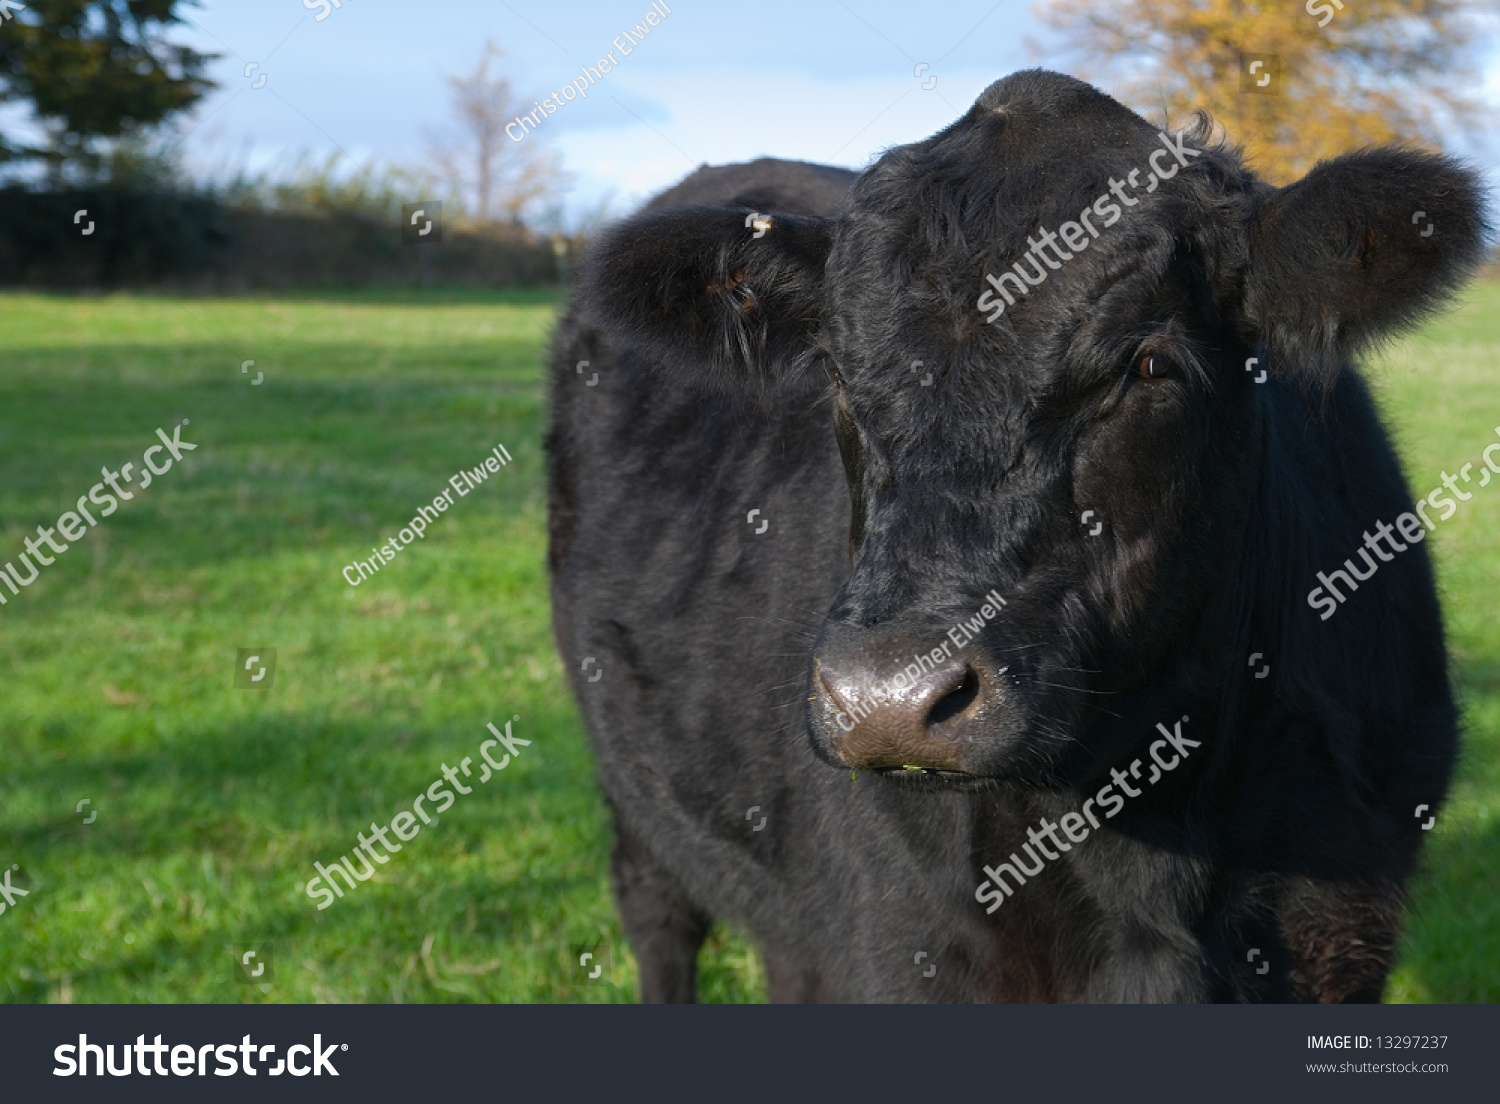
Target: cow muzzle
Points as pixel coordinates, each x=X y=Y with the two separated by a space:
x=878 y=704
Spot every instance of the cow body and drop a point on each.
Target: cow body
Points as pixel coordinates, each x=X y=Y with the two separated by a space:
x=808 y=456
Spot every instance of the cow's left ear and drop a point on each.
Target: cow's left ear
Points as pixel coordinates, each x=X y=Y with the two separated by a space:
x=1362 y=246
x=730 y=293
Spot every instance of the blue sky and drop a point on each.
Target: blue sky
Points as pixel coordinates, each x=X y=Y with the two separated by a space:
x=823 y=80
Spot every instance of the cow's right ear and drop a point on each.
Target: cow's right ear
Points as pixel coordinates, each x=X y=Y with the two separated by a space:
x=731 y=292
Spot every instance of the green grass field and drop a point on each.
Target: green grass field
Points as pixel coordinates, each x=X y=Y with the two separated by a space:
x=213 y=803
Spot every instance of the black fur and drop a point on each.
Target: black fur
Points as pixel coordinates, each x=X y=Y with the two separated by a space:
x=733 y=372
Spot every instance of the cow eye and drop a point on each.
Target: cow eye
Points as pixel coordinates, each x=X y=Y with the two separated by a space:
x=1153 y=366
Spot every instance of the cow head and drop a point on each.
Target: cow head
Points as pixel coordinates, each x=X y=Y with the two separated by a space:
x=1035 y=328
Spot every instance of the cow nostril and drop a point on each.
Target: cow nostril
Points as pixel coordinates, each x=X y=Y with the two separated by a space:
x=956 y=700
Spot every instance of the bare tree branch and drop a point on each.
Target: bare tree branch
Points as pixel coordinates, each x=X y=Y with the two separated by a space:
x=496 y=176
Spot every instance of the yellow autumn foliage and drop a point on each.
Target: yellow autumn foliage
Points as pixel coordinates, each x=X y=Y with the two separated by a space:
x=1374 y=71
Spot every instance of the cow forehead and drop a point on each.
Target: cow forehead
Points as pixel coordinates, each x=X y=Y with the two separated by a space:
x=1029 y=134
x=1038 y=155
x=998 y=175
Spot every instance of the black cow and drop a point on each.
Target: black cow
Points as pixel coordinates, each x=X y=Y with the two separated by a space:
x=1005 y=472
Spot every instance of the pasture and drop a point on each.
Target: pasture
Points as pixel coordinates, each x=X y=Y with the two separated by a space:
x=213 y=803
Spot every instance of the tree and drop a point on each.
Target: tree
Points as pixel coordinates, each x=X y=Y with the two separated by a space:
x=501 y=177
x=1351 y=72
x=96 y=72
